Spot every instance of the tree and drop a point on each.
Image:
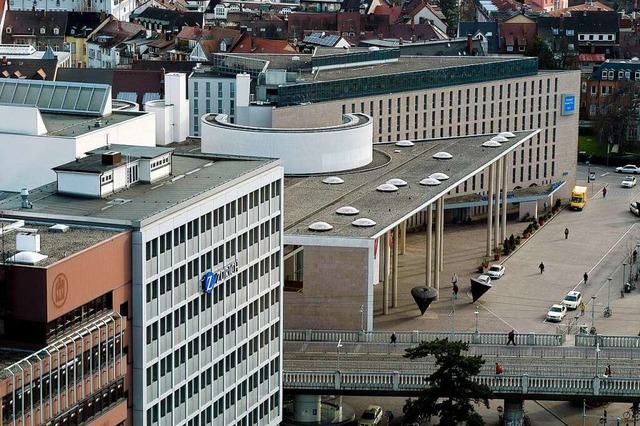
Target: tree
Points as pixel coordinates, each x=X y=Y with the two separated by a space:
x=617 y=113
x=542 y=51
x=451 y=12
x=451 y=388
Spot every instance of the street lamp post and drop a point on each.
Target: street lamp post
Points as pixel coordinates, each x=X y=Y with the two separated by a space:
x=589 y=169
x=362 y=317
x=609 y=295
x=476 y=313
x=597 y=357
x=593 y=310
x=452 y=314
x=338 y=346
x=624 y=274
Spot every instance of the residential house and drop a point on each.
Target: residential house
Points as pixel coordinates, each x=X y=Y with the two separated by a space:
x=496 y=10
x=107 y=45
x=30 y=69
x=298 y=22
x=629 y=37
x=37 y=28
x=590 y=61
x=326 y=40
x=487 y=32
x=590 y=6
x=179 y=5
x=186 y=40
x=252 y=44
x=120 y=9
x=215 y=40
x=264 y=24
x=80 y=26
x=420 y=12
x=320 y=5
x=582 y=32
x=517 y=34
x=167 y=20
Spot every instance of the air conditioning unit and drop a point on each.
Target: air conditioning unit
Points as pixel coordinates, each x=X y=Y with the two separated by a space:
x=28 y=240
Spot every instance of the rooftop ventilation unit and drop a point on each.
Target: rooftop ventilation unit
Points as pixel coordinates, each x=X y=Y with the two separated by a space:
x=58 y=228
x=28 y=239
x=111 y=158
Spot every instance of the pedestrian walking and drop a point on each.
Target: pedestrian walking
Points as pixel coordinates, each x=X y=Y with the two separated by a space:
x=586 y=277
x=582 y=308
x=512 y=338
x=498 y=368
x=604 y=192
x=394 y=339
x=566 y=233
x=541 y=266
x=607 y=371
x=454 y=281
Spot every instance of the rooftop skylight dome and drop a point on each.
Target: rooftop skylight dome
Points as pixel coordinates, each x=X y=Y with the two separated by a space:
x=439 y=176
x=333 y=180
x=491 y=144
x=499 y=139
x=442 y=155
x=405 y=143
x=386 y=187
x=397 y=182
x=363 y=222
x=430 y=182
x=507 y=134
x=348 y=211
x=320 y=226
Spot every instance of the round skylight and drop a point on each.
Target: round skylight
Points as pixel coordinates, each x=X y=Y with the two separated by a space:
x=491 y=144
x=430 y=182
x=499 y=139
x=320 y=226
x=347 y=211
x=404 y=143
x=333 y=180
x=363 y=222
x=396 y=182
x=442 y=155
x=507 y=134
x=439 y=176
x=386 y=187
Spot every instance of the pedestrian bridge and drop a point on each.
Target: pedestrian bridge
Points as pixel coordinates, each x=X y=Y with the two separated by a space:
x=541 y=366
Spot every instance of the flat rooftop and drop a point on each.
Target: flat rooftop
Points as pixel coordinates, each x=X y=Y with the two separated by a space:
x=60 y=245
x=308 y=199
x=66 y=125
x=193 y=176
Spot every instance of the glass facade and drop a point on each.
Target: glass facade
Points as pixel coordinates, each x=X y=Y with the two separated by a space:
x=404 y=82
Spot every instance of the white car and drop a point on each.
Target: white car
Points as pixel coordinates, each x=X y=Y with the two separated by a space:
x=496 y=271
x=372 y=416
x=557 y=313
x=629 y=168
x=572 y=300
x=484 y=278
x=629 y=182
x=634 y=207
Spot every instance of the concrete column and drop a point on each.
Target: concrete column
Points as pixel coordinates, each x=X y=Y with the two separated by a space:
x=436 y=266
x=513 y=412
x=394 y=283
x=505 y=180
x=441 y=228
x=496 y=218
x=403 y=233
x=307 y=408
x=489 y=209
x=429 y=250
x=385 y=279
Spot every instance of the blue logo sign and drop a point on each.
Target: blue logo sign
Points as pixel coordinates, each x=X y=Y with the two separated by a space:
x=208 y=281
x=568 y=103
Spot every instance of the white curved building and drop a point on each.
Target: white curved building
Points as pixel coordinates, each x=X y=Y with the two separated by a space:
x=302 y=150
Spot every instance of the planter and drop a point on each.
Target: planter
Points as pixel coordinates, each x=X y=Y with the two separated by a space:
x=518 y=240
x=496 y=257
x=525 y=235
x=541 y=221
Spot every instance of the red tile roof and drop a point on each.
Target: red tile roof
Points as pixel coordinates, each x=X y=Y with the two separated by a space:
x=591 y=57
x=263 y=46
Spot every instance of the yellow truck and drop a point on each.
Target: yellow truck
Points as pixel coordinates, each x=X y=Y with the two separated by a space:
x=578 y=197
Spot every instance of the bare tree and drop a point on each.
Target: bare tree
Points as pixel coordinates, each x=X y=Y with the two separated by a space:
x=618 y=114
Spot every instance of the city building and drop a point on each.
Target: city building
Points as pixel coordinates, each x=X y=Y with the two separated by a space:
x=204 y=254
x=119 y=9
x=65 y=314
x=46 y=123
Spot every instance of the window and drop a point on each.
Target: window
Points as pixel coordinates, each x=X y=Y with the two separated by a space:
x=43 y=30
x=570 y=33
x=56 y=31
x=8 y=30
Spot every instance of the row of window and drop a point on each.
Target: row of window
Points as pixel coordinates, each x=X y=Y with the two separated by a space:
x=622 y=75
x=91 y=407
x=159 y=162
x=79 y=315
x=166 y=406
x=58 y=380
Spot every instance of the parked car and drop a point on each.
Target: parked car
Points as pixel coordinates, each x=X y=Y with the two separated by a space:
x=634 y=207
x=572 y=300
x=557 y=313
x=372 y=416
x=629 y=168
x=629 y=182
x=484 y=278
x=496 y=271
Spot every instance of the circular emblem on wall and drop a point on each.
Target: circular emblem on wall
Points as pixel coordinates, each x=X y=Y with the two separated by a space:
x=60 y=290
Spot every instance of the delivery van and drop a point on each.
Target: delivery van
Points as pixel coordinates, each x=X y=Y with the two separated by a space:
x=578 y=197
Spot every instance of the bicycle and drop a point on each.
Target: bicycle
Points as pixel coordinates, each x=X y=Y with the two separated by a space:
x=607 y=312
x=631 y=414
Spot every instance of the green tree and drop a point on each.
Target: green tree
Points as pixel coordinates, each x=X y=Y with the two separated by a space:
x=451 y=11
x=542 y=51
x=451 y=388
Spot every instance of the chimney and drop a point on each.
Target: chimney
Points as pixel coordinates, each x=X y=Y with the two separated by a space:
x=470 y=44
x=254 y=42
x=4 y=60
x=400 y=41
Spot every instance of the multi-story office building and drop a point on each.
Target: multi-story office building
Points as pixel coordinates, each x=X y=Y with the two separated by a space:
x=205 y=259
